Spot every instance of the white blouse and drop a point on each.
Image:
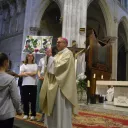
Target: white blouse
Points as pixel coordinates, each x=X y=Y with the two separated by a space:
x=29 y=80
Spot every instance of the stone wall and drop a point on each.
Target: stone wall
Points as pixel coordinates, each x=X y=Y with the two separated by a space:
x=11 y=31
x=12 y=47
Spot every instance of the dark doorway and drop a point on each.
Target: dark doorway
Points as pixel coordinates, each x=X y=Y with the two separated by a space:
x=95 y=19
x=121 y=70
x=121 y=66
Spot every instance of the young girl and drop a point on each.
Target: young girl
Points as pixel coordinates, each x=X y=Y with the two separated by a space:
x=9 y=97
x=29 y=88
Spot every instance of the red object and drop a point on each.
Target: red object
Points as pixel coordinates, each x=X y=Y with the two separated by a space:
x=65 y=40
x=92 y=119
x=26 y=46
x=36 y=50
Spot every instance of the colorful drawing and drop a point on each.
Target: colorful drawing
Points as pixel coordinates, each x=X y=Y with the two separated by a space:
x=37 y=44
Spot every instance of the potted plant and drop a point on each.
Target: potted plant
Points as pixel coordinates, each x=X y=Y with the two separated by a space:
x=81 y=87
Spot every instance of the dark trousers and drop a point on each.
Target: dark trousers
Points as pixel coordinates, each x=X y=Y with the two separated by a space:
x=20 y=87
x=29 y=93
x=7 y=123
x=20 y=80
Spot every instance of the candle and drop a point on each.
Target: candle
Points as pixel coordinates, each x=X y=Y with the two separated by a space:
x=75 y=65
x=102 y=76
x=94 y=76
x=88 y=83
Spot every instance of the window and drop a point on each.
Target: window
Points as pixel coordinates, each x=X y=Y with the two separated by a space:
x=125 y=3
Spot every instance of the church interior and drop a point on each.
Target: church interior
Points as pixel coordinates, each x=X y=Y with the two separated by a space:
x=99 y=29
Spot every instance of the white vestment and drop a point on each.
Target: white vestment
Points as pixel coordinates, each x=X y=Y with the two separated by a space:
x=62 y=110
x=62 y=113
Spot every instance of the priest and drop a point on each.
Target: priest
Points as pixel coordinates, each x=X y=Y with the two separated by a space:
x=58 y=97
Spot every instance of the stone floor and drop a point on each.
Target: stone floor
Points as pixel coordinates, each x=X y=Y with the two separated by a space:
x=105 y=107
x=23 y=124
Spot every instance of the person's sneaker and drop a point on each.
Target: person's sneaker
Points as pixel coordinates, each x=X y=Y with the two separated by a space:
x=33 y=118
x=25 y=117
x=40 y=120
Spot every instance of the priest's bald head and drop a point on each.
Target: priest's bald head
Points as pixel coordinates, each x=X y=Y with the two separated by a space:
x=62 y=43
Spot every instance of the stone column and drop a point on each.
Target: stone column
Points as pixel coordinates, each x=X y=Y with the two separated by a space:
x=126 y=64
x=114 y=50
x=114 y=59
x=66 y=31
x=114 y=33
x=28 y=29
x=74 y=18
x=30 y=4
x=1 y=22
x=83 y=21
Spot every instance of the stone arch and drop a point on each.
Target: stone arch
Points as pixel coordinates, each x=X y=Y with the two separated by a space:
x=122 y=48
x=124 y=21
x=107 y=14
x=40 y=9
x=89 y=2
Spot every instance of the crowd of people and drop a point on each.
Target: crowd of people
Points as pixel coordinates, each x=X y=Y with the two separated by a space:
x=54 y=94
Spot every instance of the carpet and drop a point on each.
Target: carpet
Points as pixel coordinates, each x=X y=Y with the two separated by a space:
x=91 y=119
x=18 y=123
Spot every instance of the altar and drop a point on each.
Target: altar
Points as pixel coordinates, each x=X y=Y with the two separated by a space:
x=120 y=91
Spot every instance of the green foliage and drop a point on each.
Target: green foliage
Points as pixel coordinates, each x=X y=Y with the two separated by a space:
x=34 y=42
x=82 y=85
